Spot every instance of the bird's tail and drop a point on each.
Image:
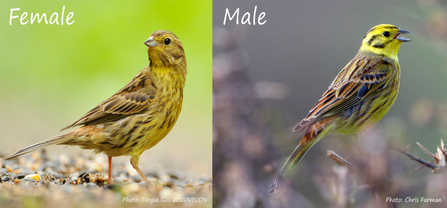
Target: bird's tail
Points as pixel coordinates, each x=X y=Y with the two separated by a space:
x=290 y=164
x=312 y=135
x=51 y=141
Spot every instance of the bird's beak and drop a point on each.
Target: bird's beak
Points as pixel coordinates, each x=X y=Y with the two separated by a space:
x=150 y=42
x=402 y=38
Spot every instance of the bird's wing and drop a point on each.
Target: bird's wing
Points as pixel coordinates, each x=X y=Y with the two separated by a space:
x=360 y=78
x=131 y=99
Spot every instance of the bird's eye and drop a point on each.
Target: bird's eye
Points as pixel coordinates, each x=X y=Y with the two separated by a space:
x=386 y=34
x=167 y=41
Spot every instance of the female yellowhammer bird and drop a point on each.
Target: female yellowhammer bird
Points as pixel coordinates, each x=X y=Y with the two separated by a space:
x=360 y=95
x=139 y=115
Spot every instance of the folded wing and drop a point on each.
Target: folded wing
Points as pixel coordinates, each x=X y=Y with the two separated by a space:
x=131 y=99
x=349 y=89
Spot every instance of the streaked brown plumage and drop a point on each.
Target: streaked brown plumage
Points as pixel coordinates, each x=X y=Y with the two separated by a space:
x=360 y=95
x=139 y=115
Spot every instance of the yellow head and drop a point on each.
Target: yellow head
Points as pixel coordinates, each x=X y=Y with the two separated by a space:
x=384 y=40
x=165 y=50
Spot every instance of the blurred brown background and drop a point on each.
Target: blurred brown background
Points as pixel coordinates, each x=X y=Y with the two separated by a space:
x=266 y=79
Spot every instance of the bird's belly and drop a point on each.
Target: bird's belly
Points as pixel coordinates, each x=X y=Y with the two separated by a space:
x=135 y=134
x=365 y=114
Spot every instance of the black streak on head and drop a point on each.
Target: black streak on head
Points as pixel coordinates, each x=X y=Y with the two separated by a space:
x=382 y=45
x=372 y=39
x=372 y=29
x=379 y=46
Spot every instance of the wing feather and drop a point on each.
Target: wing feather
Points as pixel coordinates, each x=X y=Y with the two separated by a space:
x=352 y=85
x=131 y=99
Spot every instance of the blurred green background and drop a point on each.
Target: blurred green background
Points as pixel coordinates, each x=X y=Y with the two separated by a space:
x=51 y=75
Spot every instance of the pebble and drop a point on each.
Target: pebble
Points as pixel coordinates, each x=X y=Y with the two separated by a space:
x=10 y=183
x=6 y=178
x=179 y=183
x=177 y=194
x=3 y=170
x=21 y=175
x=35 y=177
x=19 y=170
x=64 y=159
x=175 y=176
x=137 y=178
x=199 y=182
x=26 y=183
x=69 y=179
x=165 y=192
x=91 y=185
x=35 y=155
x=117 y=180
x=15 y=166
x=49 y=165
x=57 y=175
x=130 y=188
x=28 y=171
x=29 y=180
x=165 y=178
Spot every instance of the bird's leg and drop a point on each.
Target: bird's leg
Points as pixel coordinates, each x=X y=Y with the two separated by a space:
x=134 y=162
x=109 y=180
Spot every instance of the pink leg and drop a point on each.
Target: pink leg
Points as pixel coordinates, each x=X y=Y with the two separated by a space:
x=109 y=180
x=134 y=162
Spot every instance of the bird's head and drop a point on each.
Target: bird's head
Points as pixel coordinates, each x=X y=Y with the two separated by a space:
x=384 y=39
x=165 y=49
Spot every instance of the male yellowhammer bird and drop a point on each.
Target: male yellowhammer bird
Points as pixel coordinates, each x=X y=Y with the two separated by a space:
x=139 y=115
x=360 y=95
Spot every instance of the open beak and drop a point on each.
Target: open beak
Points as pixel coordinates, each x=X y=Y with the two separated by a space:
x=402 y=38
x=151 y=42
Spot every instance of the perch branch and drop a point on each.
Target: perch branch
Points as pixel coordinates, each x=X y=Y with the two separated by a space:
x=419 y=160
x=340 y=160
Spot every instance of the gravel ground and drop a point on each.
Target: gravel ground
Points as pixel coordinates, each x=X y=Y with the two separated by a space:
x=35 y=180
